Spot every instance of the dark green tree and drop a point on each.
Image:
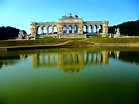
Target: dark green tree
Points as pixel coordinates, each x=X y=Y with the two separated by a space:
x=8 y=33
x=130 y=28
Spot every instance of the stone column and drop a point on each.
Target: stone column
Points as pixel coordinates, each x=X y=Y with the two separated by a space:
x=42 y=31
x=60 y=30
x=92 y=30
x=87 y=29
x=80 y=29
x=33 y=29
x=73 y=29
x=67 y=30
x=52 y=30
x=106 y=29
x=97 y=29
x=103 y=29
x=47 y=30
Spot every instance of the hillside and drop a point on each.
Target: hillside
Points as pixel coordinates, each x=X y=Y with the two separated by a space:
x=130 y=28
x=8 y=33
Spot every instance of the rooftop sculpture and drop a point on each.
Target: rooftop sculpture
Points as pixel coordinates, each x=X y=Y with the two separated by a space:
x=70 y=16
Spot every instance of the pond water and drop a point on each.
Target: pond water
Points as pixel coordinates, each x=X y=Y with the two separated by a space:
x=66 y=76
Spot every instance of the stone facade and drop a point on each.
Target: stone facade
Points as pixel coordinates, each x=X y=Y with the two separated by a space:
x=69 y=26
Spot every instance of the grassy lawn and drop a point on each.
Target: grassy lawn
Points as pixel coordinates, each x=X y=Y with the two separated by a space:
x=43 y=41
x=54 y=41
x=97 y=39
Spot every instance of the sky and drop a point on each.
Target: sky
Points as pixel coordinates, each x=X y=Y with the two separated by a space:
x=20 y=13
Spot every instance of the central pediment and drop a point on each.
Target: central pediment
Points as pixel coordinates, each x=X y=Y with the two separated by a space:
x=69 y=16
x=70 y=19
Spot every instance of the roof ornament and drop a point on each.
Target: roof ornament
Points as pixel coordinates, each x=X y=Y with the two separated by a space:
x=70 y=15
x=76 y=16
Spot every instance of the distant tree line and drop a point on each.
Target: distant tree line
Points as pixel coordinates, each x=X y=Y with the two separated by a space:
x=130 y=28
x=8 y=33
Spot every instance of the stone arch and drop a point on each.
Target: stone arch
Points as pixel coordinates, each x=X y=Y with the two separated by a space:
x=100 y=29
x=39 y=30
x=75 y=28
x=55 y=29
x=70 y=29
x=90 y=29
x=85 y=29
x=64 y=29
x=95 y=29
x=49 y=29
x=44 y=29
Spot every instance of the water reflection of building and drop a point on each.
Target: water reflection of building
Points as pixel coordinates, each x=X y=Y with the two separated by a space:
x=23 y=56
x=96 y=58
x=70 y=61
x=45 y=60
x=114 y=54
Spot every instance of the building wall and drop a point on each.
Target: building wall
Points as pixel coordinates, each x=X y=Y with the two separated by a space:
x=69 y=22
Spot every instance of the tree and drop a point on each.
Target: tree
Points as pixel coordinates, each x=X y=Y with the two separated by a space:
x=8 y=33
x=130 y=28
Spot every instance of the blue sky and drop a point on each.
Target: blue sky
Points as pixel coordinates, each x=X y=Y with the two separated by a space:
x=20 y=13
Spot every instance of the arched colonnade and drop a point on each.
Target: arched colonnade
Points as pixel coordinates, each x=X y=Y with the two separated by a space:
x=68 y=29
x=69 y=25
x=46 y=30
x=93 y=29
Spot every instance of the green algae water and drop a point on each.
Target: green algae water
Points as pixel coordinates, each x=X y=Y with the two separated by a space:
x=65 y=76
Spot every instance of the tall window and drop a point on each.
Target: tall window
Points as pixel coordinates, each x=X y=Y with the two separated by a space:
x=64 y=29
x=70 y=29
x=76 y=29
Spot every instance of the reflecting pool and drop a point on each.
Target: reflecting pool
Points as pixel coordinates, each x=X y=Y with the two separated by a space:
x=69 y=76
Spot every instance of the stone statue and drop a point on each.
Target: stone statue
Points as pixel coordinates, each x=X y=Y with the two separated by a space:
x=64 y=17
x=117 y=32
x=76 y=16
x=70 y=15
x=22 y=34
